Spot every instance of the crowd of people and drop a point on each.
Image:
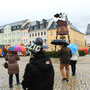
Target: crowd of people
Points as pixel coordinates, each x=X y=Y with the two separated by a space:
x=39 y=72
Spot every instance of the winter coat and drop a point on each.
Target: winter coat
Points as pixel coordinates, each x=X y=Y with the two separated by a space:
x=75 y=56
x=13 y=67
x=39 y=73
x=65 y=55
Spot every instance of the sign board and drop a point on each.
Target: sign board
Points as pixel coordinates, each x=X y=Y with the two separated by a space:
x=62 y=27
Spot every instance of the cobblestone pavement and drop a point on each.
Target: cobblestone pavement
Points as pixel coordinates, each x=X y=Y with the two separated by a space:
x=79 y=82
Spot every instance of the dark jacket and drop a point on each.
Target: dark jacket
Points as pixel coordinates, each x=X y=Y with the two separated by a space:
x=65 y=55
x=13 y=67
x=39 y=73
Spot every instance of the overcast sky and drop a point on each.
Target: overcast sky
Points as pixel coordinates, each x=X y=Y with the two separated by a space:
x=78 y=11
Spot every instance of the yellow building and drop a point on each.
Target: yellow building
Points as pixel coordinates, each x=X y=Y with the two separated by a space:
x=76 y=37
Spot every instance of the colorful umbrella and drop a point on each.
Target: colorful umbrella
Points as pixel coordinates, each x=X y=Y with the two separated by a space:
x=16 y=48
x=73 y=47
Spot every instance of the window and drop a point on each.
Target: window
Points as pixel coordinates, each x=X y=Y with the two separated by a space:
x=38 y=34
x=33 y=28
x=1 y=30
x=51 y=49
x=26 y=40
x=9 y=34
x=22 y=41
x=14 y=28
x=24 y=33
x=30 y=35
x=30 y=42
x=41 y=33
x=18 y=40
x=18 y=33
x=44 y=32
x=13 y=40
x=44 y=40
x=19 y=26
x=51 y=33
x=35 y=34
x=5 y=35
x=51 y=40
x=13 y=34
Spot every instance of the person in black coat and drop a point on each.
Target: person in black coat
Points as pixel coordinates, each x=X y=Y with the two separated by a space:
x=39 y=72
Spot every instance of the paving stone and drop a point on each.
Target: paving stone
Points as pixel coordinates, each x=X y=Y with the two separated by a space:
x=79 y=82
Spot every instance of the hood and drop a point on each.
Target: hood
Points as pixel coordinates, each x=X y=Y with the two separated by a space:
x=11 y=55
x=40 y=60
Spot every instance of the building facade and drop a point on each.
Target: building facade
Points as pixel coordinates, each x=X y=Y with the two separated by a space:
x=76 y=36
x=25 y=32
x=11 y=34
x=88 y=36
x=39 y=29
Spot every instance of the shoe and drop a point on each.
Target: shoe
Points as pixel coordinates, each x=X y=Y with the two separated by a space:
x=11 y=86
x=67 y=80
x=63 y=79
x=73 y=74
x=18 y=83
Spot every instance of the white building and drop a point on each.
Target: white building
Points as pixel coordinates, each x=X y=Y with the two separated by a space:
x=39 y=29
x=11 y=34
x=88 y=36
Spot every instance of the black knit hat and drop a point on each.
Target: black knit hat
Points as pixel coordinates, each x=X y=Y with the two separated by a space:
x=39 y=41
x=37 y=45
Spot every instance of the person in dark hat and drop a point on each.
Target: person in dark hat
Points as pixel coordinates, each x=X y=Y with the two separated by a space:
x=65 y=55
x=39 y=72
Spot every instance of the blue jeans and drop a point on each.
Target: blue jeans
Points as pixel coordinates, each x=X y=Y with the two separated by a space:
x=11 y=79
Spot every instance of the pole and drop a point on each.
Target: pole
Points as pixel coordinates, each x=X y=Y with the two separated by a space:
x=68 y=38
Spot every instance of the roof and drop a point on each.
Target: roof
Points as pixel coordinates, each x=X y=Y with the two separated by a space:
x=88 y=29
x=34 y=24
x=74 y=28
x=18 y=23
x=2 y=27
x=53 y=25
x=66 y=19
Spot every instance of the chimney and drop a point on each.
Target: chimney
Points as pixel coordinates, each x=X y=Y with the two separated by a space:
x=44 y=23
x=38 y=24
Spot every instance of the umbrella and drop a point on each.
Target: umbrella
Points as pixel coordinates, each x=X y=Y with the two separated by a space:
x=16 y=48
x=73 y=47
x=23 y=49
x=59 y=42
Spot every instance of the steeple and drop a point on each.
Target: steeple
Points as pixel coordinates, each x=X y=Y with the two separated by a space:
x=88 y=30
x=66 y=19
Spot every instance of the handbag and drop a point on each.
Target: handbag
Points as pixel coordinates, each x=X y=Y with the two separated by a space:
x=6 y=65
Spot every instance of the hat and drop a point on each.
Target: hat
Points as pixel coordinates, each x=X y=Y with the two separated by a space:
x=39 y=41
x=36 y=46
